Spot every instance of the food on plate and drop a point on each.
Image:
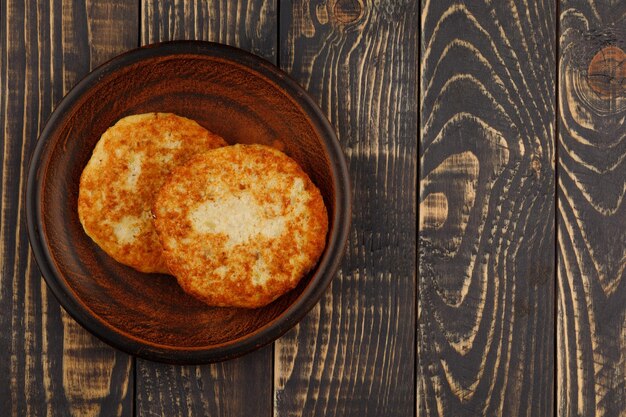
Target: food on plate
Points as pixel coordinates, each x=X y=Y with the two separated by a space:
x=131 y=161
x=240 y=225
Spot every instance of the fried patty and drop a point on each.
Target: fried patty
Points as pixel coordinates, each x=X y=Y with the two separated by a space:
x=240 y=225
x=129 y=164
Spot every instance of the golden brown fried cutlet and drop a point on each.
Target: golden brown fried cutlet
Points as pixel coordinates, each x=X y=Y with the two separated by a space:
x=240 y=225
x=129 y=164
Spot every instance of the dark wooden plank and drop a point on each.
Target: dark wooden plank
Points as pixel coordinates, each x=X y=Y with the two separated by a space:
x=354 y=354
x=240 y=387
x=487 y=199
x=246 y=24
x=50 y=365
x=591 y=326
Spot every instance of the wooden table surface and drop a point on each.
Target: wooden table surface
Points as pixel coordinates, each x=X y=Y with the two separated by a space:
x=512 y=116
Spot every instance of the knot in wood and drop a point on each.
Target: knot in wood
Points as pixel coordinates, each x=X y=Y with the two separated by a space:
x=347 y=11
x=536 y=166
x=606 y=74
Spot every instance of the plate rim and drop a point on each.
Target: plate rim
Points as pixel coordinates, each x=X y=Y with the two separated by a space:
x=264 y=335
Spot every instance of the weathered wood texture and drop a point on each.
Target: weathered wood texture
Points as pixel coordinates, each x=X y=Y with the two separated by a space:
x=591 y=332
x=246 y=24
x=485 y=329
x=241 y=387
x=487 y=190
x=353 y=355
x=49 y=364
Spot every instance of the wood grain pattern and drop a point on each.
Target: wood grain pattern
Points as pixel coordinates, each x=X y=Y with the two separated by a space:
x=353 y=355
x=487 y=184
x=591 y=332
x=241 y=386
x=486 y=290
x=246 y=24
x=50 y=365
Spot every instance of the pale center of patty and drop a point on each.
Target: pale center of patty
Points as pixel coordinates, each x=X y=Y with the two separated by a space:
x=239 y=217
x=127 y=229
x=134 y=170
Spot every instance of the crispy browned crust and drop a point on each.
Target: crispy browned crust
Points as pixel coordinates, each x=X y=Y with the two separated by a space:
x=242 y=267
x=117 y=187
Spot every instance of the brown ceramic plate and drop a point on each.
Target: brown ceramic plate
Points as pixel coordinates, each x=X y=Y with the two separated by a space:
x=233 y=93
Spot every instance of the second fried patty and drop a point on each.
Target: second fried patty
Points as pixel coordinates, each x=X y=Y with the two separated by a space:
x=240 y=225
